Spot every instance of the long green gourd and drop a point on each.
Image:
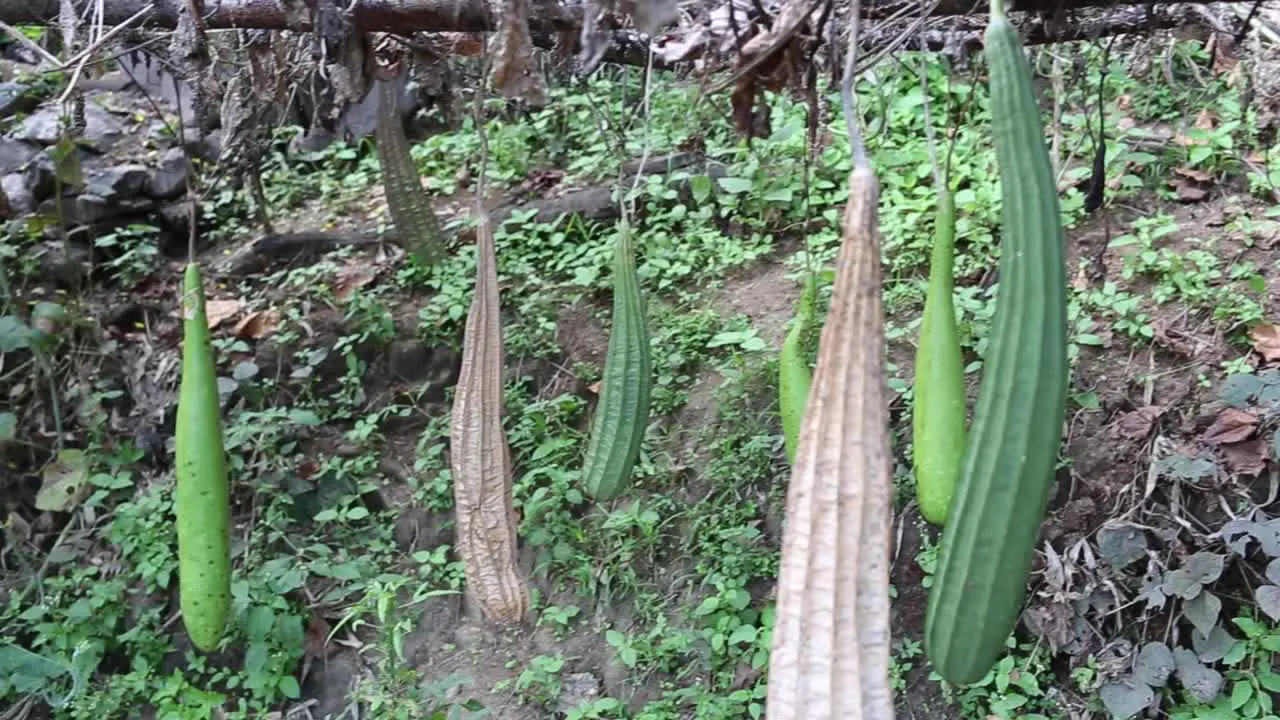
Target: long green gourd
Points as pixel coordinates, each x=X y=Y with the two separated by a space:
x=411 y=212
x=622 y=415
x=938 y=416
x=201 y=499
x=794 y=376
x=1012 y=448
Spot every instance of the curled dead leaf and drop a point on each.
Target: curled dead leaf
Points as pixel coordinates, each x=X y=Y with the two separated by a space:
x=515 y=72
x=257 y=324
x=352 y=277
x=1137 y=424
x=1200 y=176
x=1231 y=426
x=219 y=311
x=1188 y=192
x=1248 y=458
x=316 y=637
x=1172 y=338
x=1266 y=342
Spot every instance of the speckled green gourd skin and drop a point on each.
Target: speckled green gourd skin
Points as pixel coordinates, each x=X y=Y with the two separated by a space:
x=201 y=499
x=1012 y=450
x=622 y=415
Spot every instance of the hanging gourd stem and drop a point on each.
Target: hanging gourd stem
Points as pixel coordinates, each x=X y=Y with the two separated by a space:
x=847 y=90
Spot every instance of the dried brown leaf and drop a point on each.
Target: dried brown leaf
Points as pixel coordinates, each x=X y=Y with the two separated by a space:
x=515 y=72
x=352 y=277
x=1225 y=57
x=1053 y=622
x=1137 y=424
x=1231 y=426
x=257 y=324
x=315 y=639
x=748 y=119
x=480 y=456
x=1172 y=338
x=1247 y=458
x=831 y=635
x=219 y=311
x=1199 y=176
x=1187 y=192
x=1266 y=342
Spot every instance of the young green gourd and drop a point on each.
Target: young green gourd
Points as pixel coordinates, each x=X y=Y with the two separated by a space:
x=622 y=414
x=201 y=499
x=1012 y=449
x=794 y=376
x=938 y=416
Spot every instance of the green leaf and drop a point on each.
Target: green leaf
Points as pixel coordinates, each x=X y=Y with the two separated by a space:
x=14 y=334
x=1268 y=598
x=289 y=687
x=260 y=623
x=1240 y=694
x=1126 y=697
x=1154 y=665
x=1203 y=610
x=64 y=482
x=1238 y=390
x=8 y=427
x=735 y=185
x=1269 y=681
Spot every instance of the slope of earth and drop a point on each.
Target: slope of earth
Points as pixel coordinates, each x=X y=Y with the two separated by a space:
x=337 y=374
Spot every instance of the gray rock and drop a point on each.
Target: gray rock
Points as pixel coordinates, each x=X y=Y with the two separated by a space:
x=88 y=209
x=313 y=140
x=16 y=98
x=40 y=177
x=150 y=71
x=168 y=180
x=174 y=221
x=120 y=182
x=65 y=264
x=45 y=124
x=14 y=186
x=41 y=174
x=14 y=154
x=576 y=690
x=207 y=147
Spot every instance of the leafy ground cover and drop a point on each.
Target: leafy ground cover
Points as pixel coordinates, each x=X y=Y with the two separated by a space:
x=1155 y=588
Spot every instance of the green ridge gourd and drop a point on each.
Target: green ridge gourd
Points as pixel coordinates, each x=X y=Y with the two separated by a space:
x=1012 y=448
x=622 y=415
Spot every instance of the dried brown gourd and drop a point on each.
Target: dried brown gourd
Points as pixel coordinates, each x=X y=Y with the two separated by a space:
x=480 y=457
x=830 y=655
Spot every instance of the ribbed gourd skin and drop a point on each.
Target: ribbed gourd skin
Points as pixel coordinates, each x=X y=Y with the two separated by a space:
x=1011 y=453
x=622 y=415
x=410 y=208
